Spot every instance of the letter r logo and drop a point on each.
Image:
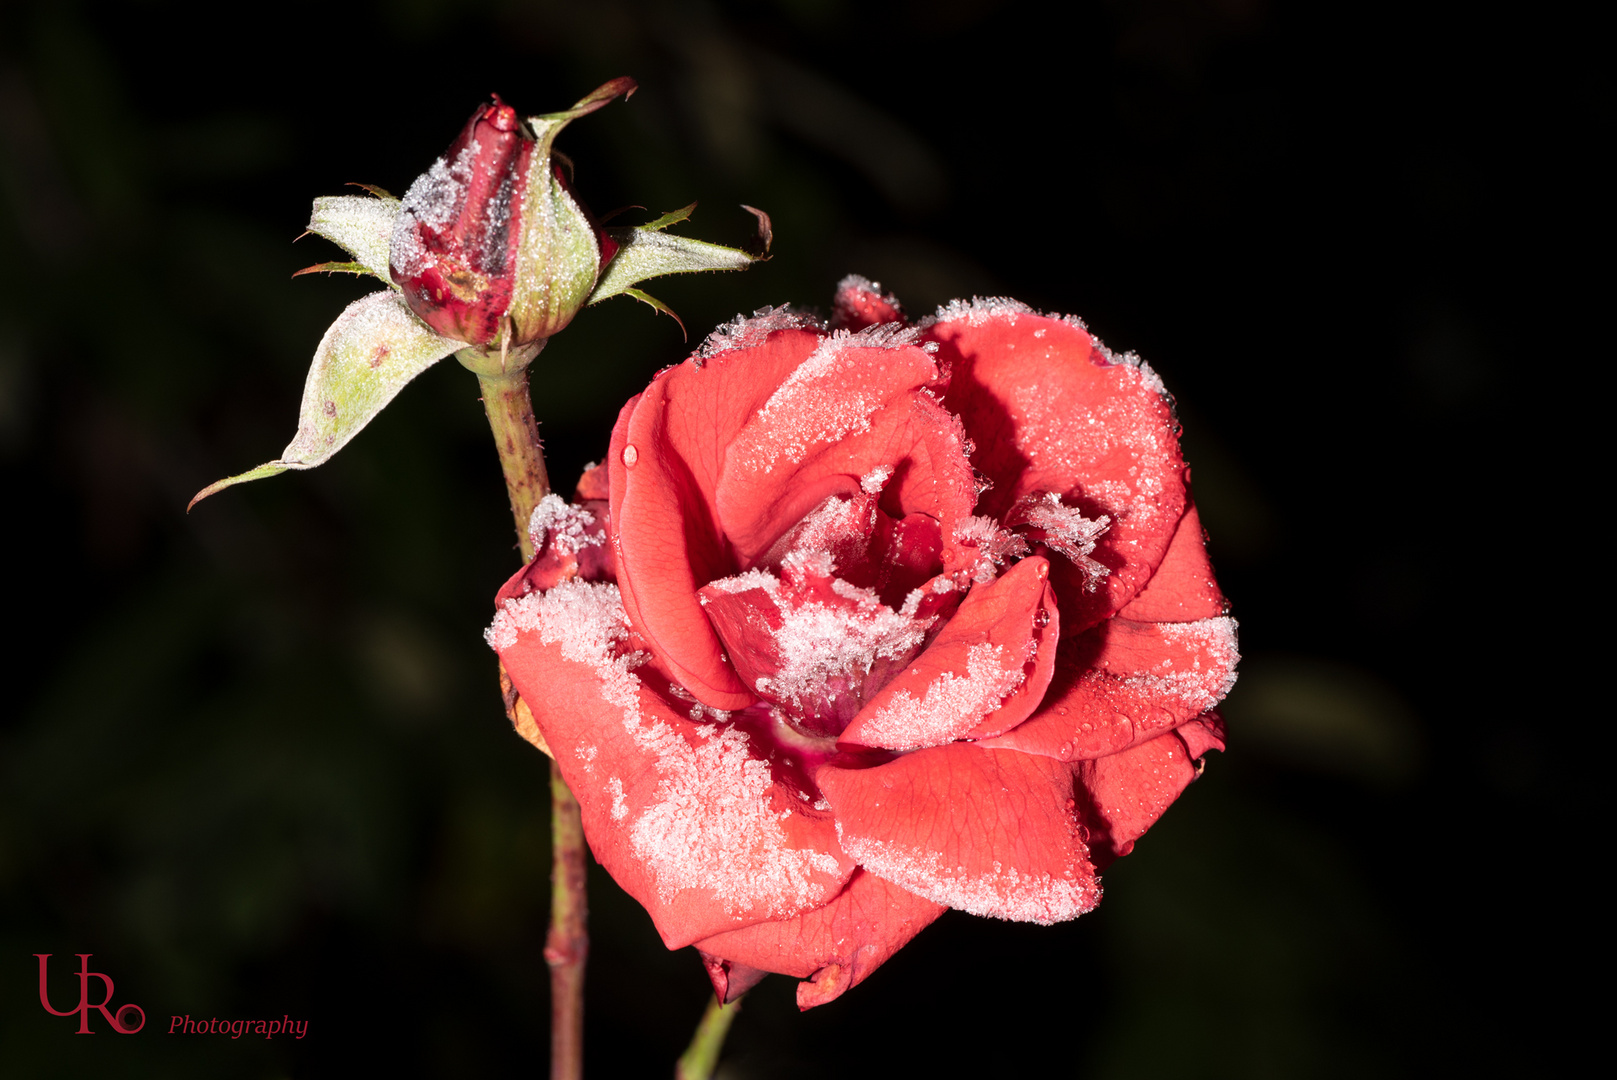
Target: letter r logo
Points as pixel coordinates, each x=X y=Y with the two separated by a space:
x=124 y=1015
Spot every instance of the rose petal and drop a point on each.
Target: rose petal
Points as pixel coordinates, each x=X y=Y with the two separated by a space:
x=1125 y=793
x=666 y=457
x=860 y=303
x=1183 y=588
x=685 y=816
x=737 y=447
x=992 y=832
x=1050 y=411
x=811 y=643
x=730 y=979
x=839 y=944
x=984 y=667
x=850 y=407
x=1123 y=682
x=1202 y=734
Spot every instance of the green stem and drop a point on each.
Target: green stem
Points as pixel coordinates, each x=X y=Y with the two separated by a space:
x=516 y=437
x=522 y=458
x=703 y=1054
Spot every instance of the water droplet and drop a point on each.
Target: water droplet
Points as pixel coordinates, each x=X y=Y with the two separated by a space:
x=630 y=456
x=1041 y=618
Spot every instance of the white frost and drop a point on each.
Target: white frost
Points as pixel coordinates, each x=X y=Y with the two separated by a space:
x=564 y=524
x=951 y=706
x=1006 y=893
x=709 y=825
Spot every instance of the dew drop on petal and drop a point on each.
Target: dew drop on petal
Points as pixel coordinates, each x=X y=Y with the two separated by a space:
x=630 y=456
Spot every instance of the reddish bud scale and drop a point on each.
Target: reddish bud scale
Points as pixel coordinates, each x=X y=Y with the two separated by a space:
x=455 y=243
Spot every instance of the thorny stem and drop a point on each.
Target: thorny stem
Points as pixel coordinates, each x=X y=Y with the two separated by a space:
x=698 y=1060
x=567 y=945
x=516 y=437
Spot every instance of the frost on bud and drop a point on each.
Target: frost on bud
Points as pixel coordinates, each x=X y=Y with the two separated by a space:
x=453 y=248
x=489 y=246
x=487 y=255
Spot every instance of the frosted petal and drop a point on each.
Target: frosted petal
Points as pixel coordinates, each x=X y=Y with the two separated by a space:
x=1123 y=681
x=991 y=832
x=683 y=814
x=1183 y=588
x=838 y=945
x=980 y=661
x=860 y=302
x=667 y=454
x=1050 y=410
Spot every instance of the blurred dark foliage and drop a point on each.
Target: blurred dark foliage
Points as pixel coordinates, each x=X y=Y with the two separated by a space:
x=254 y=758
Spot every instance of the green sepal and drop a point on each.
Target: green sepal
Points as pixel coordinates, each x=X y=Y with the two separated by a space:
x=374 y=348
x=646 y=252
x=269 y=468
x=333 y=268
x=558 y=257
x=645 y=298
x=362 y=225
x=673 y=217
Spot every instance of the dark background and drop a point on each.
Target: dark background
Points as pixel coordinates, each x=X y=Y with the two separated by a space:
x=254 y=758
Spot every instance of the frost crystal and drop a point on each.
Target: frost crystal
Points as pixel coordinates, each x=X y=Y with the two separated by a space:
x=712 y=828
x=951 y=707
x=743 y=331
x=710 y=824
x=977 y=310
x=1198 y=687
x=434 y=200
x=821 y=643
x=565 y=525
x=993 y=544
x=823 y=400
x=873 y=481
x=1066 y=531
x=1004 y=894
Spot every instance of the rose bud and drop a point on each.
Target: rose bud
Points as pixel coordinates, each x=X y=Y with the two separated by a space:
x=487 y=255
x=454 y=241
x=489 y=245
x=852 y=627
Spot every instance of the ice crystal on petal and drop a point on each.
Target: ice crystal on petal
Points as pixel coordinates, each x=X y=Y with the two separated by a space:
x=977 y=310
x=1198 y=687
x=820 y=642
x=952 y=705
x=1006 y=893
x=711 y=825
x=745 y=331
x=433 y=201
x=873 y=481
x=994 y=545
x=1065 y=530
x=824 y=400
x=712 y=828
x=564 y=524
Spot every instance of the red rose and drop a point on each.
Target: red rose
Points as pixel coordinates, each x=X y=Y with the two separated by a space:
x=857 y=625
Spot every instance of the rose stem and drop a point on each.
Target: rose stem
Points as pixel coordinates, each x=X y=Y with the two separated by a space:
x=516 y=437
x=698 y=1060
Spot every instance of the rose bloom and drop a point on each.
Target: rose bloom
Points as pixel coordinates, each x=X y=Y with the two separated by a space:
x=856 y=625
